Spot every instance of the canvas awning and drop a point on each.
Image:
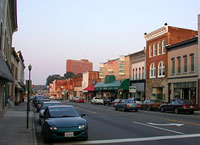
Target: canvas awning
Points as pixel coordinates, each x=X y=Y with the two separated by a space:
x=89 y=89
x=4 y=71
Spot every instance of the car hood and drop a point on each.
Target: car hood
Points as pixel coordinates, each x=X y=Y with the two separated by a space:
x=66 y=122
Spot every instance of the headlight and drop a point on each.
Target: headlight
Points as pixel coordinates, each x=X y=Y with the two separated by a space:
x=53 y=128
x=81 y=126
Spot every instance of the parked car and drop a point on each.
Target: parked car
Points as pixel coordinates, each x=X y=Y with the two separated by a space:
x=108 y=101
x=178 y=105
x=74 y=99
x=114 y=102
x=39 y=104
x=80 y=100
x=64 y=122
x=151 y=105
x=44 y=105
x=96 y=100
x=36 y=99
x=126 y=105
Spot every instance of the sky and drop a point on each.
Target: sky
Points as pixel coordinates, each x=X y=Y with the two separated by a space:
x=52 y=31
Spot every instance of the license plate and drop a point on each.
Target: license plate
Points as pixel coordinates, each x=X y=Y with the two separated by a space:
x=69 y=134
x=191 y=106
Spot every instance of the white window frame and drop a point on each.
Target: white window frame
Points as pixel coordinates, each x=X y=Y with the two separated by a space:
x=152 y=73
x=150 y=51
x=159 y=48
x=161 y=69
x=163 y=47
x=154 y=49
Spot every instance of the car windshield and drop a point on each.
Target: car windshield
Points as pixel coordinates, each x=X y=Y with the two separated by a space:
x=57 y=112
x=45 y=105
x=183 y=101
x=129 y=101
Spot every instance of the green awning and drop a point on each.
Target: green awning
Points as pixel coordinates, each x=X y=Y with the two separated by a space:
x=111 y=83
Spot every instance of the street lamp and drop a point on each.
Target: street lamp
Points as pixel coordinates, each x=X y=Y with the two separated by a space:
x=28 y=107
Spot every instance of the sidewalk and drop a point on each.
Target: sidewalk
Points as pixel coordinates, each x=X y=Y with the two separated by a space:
x=13 y=127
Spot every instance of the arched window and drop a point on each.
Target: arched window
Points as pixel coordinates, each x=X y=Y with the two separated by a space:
x=136 y=74
x=150 y=51
x=163 y=47
x=152 y=70
x=154 y=49
x=133 y=75
x=139 y=73
x=161 y=69
x=159 y=48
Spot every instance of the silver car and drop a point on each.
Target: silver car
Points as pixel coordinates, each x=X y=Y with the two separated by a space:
x=44 y=106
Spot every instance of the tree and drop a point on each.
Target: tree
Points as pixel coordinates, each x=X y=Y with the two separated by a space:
x=51 y=78
x=68 y=75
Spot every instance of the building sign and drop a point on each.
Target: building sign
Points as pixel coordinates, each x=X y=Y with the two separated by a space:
x=101 y=71
x=122 y=65
x=132 y=89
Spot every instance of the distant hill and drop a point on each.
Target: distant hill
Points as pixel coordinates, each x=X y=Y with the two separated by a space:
x=39 y=87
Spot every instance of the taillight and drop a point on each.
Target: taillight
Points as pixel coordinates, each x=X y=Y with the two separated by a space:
x=186 y=106
x=127 y=105
x=139 y=105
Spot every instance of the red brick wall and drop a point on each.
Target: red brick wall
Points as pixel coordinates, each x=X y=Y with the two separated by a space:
x=76 y=66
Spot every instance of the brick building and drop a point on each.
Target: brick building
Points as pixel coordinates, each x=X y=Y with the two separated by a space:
x=77 y=85
x=119 y=67
x=78 y=66
x=157 y=58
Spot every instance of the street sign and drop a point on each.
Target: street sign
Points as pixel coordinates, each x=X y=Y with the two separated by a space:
x=132 y=89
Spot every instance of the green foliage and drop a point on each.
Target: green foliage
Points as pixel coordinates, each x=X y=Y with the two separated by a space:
x=51 y=78
x=68 y=75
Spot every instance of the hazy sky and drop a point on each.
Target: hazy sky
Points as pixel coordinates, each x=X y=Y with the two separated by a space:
x=52 y=31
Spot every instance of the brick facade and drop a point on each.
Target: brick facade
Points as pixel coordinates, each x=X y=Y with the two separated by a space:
x=157 y=86
x=77 y=66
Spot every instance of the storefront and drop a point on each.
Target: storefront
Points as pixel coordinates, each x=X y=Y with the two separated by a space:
x=184 y=90
x=113 y=88
x=137 y=89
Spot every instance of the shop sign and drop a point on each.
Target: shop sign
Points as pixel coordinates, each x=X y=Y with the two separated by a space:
x=132 y=89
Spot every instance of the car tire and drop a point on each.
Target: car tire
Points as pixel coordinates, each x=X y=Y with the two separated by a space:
x=116 y=109
x=162 y=109
x=176 y=111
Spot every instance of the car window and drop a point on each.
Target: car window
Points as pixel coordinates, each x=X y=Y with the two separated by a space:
x=45 y=105
x=56 y=112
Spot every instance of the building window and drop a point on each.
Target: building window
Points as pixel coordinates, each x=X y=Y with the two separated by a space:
x=173 y=65
x=163 y=47
x=152 y=70
x=0 y=34
x=192 y=62
x=136 y=74
x=185 y=63
x=179 y=65
x=161 y=69
x=142 y=72
x=139 y=73
x=154 y=49
x=150 y=51
x=133 y=75
x=159 y=48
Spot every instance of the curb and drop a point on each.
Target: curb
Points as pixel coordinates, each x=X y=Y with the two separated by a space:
x=33 y=130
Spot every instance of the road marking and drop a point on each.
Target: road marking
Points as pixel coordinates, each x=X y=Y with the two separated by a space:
x=158 y=128
x=168 y=124
x=86 y=110
x=184 y=122
x=156 y=138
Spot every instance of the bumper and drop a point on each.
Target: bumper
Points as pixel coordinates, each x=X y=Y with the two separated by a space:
x=56 y=135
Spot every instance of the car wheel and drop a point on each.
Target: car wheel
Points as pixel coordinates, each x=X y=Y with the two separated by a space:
x=116 y=109
x=176 y=110
x=162 y=109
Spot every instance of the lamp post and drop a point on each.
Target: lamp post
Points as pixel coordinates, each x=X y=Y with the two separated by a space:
x=28 y=107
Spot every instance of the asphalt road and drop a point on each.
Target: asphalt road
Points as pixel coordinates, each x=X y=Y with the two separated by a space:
x=107 y=126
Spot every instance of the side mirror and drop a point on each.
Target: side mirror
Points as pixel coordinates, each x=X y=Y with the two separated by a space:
x=82 y=115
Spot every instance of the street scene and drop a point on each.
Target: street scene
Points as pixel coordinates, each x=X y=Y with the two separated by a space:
x=116 y=72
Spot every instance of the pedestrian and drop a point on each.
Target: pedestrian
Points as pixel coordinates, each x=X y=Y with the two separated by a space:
x=10 y=102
